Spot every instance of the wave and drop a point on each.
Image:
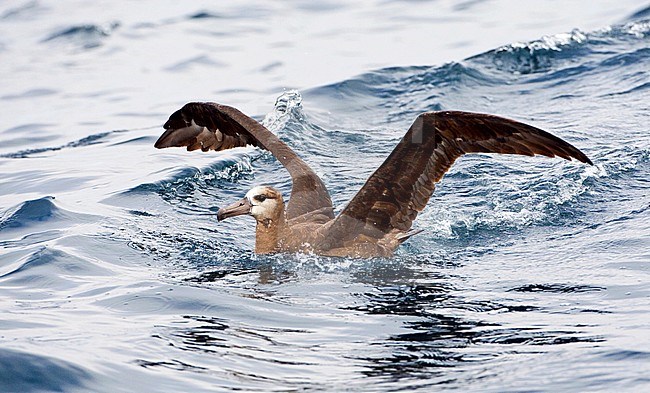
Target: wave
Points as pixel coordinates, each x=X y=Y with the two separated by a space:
x=30 y=212
x=29 y=94
x=85 y=141
x=49 y=268
x=415 y=89
x=552 y=51
x=536 y=56
x=39 y=212
x=86 y=36
x=26 y=372
x=25 y=11
x=643 y=13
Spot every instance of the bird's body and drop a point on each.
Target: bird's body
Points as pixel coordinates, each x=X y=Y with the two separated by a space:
x=307 y=233
x=379 y=217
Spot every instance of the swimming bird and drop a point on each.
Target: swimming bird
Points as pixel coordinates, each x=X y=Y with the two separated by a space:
x=379 y=217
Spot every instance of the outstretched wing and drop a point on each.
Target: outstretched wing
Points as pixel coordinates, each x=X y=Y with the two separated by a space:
x=209 y=126
x=401 y=187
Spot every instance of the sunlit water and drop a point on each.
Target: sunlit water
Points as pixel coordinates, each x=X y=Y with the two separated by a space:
x=532 y=274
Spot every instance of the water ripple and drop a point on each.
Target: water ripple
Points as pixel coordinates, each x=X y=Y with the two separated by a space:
x=84 y=36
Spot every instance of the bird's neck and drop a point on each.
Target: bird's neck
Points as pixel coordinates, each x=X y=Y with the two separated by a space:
x=268 y=234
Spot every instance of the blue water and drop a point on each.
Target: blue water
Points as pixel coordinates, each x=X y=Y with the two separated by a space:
x=533 y=274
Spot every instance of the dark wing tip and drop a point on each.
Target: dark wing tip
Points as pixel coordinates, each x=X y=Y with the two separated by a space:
x=176 y=121
x=160 y=143
x=491 y=133
x=583 y=158
x=570 y=151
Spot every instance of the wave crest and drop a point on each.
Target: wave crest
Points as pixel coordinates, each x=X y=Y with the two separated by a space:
x=535 y=56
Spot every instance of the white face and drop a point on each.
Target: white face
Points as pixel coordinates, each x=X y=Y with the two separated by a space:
x=265 y=202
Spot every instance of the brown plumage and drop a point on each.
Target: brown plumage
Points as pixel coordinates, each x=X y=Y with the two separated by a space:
x=380 y=215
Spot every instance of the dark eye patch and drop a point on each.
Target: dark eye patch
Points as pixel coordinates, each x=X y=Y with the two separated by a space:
x=260 y=198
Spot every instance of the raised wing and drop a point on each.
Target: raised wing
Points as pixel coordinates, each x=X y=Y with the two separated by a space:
x=209 y=126
x=401 y=187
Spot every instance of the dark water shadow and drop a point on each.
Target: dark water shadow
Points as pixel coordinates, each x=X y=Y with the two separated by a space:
x=25 y=372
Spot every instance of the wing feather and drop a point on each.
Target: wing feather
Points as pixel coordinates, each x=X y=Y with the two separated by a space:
x=401 y=187
x=210 y=126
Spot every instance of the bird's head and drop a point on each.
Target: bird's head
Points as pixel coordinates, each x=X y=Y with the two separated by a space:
x=262 y=202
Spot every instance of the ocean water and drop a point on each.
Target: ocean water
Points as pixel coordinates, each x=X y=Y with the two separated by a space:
x=532 y=274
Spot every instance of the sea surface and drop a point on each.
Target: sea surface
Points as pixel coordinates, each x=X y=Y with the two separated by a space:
x=532 y=274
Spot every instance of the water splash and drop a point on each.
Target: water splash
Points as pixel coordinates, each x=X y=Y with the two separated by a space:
x=638 y=29
x=287 y=106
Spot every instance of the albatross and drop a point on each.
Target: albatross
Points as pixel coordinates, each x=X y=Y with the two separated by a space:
x=379 y=217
